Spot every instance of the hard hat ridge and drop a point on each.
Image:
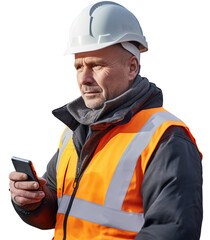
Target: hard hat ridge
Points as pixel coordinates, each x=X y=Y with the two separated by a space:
x=95 y=7
x=100 y=4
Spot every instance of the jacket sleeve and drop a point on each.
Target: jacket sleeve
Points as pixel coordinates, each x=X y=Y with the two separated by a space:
x=44 y=217
x=172 y=190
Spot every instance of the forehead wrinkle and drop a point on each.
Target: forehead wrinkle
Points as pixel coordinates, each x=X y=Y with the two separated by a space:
x=89 y=60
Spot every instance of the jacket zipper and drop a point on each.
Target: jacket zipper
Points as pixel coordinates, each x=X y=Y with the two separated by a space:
x=75 y=186
x=78 y=176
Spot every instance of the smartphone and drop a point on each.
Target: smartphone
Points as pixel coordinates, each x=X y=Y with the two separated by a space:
x=25 y=166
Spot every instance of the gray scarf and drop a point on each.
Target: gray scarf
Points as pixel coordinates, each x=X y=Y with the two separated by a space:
x=117 y=109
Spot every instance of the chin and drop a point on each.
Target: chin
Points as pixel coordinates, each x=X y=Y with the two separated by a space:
x=95 y=105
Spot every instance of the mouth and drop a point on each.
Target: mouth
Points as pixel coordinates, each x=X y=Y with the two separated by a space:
x=91 y=93
x=91 y=90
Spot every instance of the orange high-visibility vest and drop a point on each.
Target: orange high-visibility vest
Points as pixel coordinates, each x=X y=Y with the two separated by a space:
x=108 y=202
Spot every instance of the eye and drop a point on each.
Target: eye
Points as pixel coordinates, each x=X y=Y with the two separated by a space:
x=78 y=67
x=97 y=66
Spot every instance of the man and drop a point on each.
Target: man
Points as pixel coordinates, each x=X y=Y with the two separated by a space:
x=126 y=168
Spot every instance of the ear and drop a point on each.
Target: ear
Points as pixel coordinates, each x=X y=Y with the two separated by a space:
x=133 y=65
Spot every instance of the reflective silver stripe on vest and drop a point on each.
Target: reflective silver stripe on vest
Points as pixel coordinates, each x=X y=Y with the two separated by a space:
x=125 y=169
x=101 y=215
x=65 y=139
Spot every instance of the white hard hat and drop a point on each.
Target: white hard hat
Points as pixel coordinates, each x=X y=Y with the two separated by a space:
x=104 y=24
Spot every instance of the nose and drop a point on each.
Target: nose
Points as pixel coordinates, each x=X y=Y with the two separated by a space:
x=86 y=76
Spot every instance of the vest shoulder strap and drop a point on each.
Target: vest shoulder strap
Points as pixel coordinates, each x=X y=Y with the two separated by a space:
x=66 y=136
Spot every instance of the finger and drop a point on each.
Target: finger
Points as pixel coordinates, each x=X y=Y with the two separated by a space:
x=21 y=201
x=36 y=195
x=17 y=176
x=27 y=185
x=28 y=197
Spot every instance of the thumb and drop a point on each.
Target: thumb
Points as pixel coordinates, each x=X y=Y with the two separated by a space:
x=42 y=181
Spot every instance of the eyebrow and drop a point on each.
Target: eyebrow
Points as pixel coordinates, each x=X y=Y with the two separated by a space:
x=89 y=61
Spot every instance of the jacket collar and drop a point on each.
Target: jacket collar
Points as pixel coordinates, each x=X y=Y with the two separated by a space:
x=142 y=94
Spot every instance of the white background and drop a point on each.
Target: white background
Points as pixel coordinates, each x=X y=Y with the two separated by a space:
x=35 y=78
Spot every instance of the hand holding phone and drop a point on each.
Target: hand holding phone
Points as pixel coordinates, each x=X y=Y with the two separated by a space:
x=25 y=189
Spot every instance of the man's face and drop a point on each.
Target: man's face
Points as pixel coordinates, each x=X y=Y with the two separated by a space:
x=102 y=75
